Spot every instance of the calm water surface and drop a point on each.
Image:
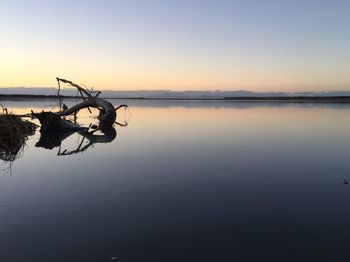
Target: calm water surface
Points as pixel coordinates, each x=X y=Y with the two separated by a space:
x=185 y=181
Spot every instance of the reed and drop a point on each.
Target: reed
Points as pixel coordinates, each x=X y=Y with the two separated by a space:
x=14 y=133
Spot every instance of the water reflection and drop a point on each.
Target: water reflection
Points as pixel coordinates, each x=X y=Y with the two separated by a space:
x=107 y=135
x=87 y=138
x=50 y=140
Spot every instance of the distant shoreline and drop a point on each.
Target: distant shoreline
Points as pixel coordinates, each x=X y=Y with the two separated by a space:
x=314 y=99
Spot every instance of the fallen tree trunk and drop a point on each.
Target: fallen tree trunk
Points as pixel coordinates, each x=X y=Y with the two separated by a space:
x=53 y=121
x=108 y=112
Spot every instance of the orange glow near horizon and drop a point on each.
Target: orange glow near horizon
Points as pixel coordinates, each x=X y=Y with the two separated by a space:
x=177 y=81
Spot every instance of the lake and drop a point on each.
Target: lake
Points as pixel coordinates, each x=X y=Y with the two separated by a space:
x=183 y=181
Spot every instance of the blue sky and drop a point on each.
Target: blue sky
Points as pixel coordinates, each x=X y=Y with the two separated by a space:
x=257 y=45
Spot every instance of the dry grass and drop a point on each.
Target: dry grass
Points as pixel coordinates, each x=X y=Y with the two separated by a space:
x=14 y=133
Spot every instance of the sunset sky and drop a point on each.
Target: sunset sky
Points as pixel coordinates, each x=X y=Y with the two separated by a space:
x=257 y=45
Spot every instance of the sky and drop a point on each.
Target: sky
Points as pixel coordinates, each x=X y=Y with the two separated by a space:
x=256 y=45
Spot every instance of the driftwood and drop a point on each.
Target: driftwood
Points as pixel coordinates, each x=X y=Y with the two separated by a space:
x=54 y=121
x=55 y=128
x=108 y=111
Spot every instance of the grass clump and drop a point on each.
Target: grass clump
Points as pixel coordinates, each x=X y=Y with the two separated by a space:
x=14 y=133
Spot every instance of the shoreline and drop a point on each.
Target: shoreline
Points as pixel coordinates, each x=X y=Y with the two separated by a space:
x=297 y=99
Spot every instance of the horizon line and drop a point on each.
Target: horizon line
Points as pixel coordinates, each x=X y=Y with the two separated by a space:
x=179 y=91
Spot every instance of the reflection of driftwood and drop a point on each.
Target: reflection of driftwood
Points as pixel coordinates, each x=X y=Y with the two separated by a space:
x=92 y=139
x=108 y=136
x=50 y=140
x=53 y=122
x=14 y=133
